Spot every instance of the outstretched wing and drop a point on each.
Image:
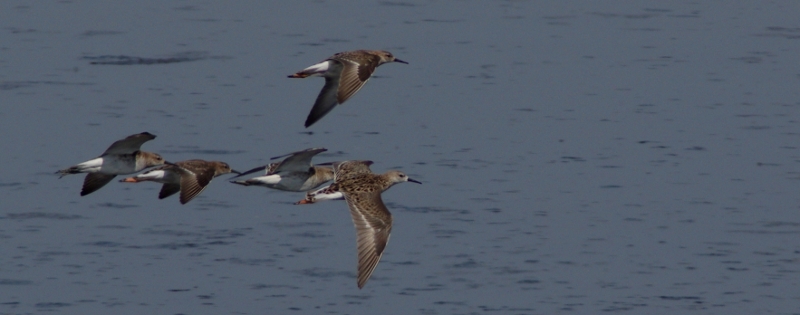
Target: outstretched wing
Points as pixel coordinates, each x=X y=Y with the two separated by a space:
x=95 y=181
x=327 y=98
x=130 y=144
x=298 y=161
x=346 y=169
x=355 y=74
x=194 y=180
x=373 y=224
x=168 y=190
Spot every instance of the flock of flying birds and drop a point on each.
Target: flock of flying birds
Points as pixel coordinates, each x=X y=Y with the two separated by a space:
x=345 y=73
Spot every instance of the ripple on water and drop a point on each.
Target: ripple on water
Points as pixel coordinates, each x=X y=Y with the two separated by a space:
x=273 y=286
x=292 y=225
x=15 y=185
x=104 y=244
x=766 y=228
x=11 y=85
x=325 y=273
x=124 y=60
x=91 y=33
x=202 y=204
x=194 y=239
x=250 y=261
x=116 y=205
x=113 y=227
x=15 y=282
x=41 y=215
x=468 y=263
x=205 y=234
x=312 y=234
x=429 y=288
x=447 y=233
x=52 y=304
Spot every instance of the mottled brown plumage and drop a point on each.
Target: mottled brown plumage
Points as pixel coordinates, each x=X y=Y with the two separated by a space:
x=362 y=190
x=345 y=73
x=190 y=177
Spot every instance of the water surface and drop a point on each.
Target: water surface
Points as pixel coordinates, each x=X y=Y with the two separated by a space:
x=577 y=158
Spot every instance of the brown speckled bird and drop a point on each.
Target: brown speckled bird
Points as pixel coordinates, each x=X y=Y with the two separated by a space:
x=190 y=177
x=362 y=190
x=345 y=73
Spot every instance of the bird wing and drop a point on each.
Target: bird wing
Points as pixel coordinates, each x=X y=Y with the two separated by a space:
x=373 y=224
x=354 y=75
x=299 y=161
x=346 y=169
x=327 y=98
x=168 y=190
x=194 y=179
x=130 y=144
x=95 y=181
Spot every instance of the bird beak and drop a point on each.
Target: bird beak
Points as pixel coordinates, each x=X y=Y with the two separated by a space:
x=236 y=172
x=414 y=181
x=400 y=61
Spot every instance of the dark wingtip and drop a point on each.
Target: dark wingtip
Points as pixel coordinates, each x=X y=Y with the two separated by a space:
x=147 y=134
x=310 y=121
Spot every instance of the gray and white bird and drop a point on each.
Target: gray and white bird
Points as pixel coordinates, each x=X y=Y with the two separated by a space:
x=121 y=158
x=294 y=173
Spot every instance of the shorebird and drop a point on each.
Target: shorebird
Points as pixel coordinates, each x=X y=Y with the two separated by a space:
x=345 y=73
x=190 y=177
x=122 y=157
x=362 y=190
x=294 y=173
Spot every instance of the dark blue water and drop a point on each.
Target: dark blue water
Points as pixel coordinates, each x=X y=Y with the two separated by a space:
x=577 y=158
